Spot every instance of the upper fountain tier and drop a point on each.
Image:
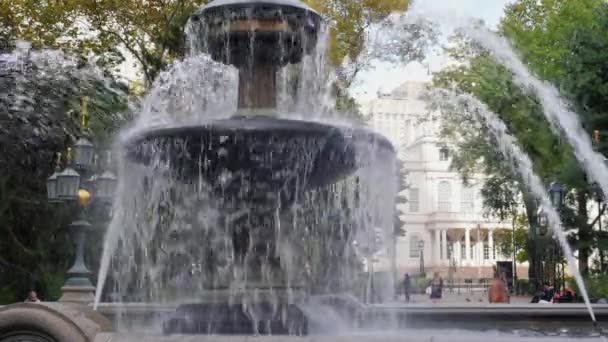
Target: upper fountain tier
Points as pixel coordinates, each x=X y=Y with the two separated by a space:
x=262 y=154
x=249 y=33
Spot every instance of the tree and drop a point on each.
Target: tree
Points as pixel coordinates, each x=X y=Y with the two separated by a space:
x=561 y=41
x=475 y=149
x=39 y=106
x=566 y=45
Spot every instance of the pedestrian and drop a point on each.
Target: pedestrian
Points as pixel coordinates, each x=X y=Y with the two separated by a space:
x=406 y=287
x=436 y=286
x=32 y=297
x=498 y=292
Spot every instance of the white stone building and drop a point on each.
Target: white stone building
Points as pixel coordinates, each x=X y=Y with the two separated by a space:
x=441 y=211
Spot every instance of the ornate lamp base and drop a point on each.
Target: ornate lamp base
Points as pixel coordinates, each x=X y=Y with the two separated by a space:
x=78 y=294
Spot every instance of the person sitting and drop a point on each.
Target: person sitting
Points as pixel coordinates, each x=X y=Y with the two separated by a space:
x=565 y=296
x=548 y=293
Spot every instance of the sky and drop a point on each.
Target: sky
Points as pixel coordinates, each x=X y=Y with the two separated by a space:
x=384 y=76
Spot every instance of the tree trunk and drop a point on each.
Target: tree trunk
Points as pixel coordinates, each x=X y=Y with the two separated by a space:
x=584 y=232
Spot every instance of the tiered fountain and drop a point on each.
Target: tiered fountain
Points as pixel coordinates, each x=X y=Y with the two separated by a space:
x=256 y=169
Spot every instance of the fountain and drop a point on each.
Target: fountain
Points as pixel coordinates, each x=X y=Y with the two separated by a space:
x=258 y=175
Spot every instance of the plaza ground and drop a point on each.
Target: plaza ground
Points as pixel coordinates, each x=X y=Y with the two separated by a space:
x=474 y=297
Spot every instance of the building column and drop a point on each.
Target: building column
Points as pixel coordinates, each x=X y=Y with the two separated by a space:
x=437 y=246
x=491 y=243
x=444 y=246
x=467 y=244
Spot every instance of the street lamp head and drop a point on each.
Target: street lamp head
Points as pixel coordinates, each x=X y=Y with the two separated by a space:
x=51 y=182
x=542 y=221
x=91 y=183
x=421 y=244
x=51 y=187
x=105 y=186
x=556 y=193
x=68 y=182
x=84 y=150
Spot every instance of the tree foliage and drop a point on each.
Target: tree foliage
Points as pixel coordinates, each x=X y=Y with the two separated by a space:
x=39 y=104
x=349 y=21
x=152 y=31
x=562 y=41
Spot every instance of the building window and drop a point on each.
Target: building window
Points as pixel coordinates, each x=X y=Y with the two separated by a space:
x=486 y=252
x=414 y=200
x=463 y=250
x=414 y=246
x=468 y=199
x=444 y=154
x=450 y=250
x=444 y=195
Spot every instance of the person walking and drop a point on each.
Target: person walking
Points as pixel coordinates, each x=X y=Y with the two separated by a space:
x=406 y=287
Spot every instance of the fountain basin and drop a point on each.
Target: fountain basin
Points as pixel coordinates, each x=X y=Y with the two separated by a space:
x=251 y=155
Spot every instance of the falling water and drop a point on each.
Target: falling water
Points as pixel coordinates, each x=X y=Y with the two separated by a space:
x=171 y=240
x=556 y=109
x=464 y=104
x=57 y=76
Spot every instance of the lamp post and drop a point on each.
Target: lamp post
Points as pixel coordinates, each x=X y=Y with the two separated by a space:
x=67 y=187
x=514 y=281
x=421 y=249
x=539 y=234
x=596 y=190
x=556 y=193
x=598 y=195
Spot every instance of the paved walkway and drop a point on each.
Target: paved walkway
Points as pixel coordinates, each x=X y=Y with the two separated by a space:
x=462 y=298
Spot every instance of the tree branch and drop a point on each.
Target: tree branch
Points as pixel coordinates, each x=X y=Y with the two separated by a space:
x=131 y=50
x=14 y=266
x=599 y=216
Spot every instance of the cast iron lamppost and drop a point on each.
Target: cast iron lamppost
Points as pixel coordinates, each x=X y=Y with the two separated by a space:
x=80 y=183
x=596 y=190
x=421 y=250
x=556 y=193
x=539 y=235
x=598 y=195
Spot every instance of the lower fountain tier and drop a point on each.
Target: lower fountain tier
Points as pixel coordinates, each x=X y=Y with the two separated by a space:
x=260 y=155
